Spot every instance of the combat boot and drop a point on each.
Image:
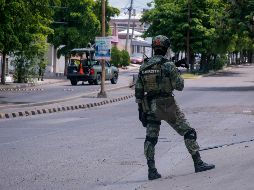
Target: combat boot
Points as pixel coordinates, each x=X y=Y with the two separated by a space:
x=199 y=165
x=153 y=174
x=152 y=171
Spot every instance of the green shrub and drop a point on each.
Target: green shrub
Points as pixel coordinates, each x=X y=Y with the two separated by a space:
x=25 y=69
x=125 y=58
x=219 y=62
x=115 y=57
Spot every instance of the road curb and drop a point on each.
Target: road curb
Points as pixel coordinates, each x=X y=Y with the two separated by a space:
x=20 y=89
x=63 y=108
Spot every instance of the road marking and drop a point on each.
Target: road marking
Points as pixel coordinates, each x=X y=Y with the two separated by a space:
x=69 y=89
x=247 y=111
x=21 y=89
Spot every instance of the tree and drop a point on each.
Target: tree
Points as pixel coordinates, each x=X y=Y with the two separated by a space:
x=29 y=60
x=185 y=22
x=79 y=24
x=8 y=26
x=23 y=28
x=241 y=22
x=213 y=27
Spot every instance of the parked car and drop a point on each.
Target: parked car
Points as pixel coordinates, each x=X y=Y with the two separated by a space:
x=137 y=58
x=90 y=70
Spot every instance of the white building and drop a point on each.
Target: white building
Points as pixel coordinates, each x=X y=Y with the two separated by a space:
x=136 y=43
x=55 y=65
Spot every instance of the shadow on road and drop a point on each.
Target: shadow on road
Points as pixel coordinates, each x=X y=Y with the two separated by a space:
x=225 y=74
x=224 y=89
x=6 y=102
x=85 y=84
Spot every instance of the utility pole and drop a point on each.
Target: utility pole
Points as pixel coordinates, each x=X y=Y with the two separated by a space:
x=102 y=93
x=128 y=32
x=133 y=28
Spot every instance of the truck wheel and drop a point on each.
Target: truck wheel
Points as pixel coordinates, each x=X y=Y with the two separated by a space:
x=114 y=79
x=98 y=79
x=74 y=82
x=90 y=82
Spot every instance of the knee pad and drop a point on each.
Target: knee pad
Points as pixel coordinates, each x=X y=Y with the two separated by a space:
x=191 y=135
x=152 y=140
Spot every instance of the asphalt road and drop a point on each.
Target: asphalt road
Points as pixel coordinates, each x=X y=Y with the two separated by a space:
x=57 y=91
x=102 y=148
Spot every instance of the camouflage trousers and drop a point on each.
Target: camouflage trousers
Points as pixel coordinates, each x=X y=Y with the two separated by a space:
x=178 y=122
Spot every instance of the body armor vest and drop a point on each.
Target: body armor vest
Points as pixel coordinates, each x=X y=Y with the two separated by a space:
x=154 y=78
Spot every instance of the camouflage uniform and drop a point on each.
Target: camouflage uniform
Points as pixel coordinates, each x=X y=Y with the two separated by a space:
x=154 y=90
x=157 y=80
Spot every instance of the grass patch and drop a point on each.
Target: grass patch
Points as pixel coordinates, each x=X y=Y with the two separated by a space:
x=190 y=76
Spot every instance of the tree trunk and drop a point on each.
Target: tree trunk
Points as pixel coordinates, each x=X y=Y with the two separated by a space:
x=65 y=65
x=250 y=54
x=232 y=58
x=192 y=61
x=229 y=59
x=205 y=62
x=177 y=56
x=245 y=56
x=237 y=59
x=54 y=55
x=208 y=63
x=3 y=69
x=242 y=57
x=202 y=63
x=214 y=59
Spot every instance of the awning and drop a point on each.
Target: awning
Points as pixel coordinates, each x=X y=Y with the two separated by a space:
x=136 y=33
x=139 y=42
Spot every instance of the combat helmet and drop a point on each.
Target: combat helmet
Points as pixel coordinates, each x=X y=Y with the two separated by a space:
x=161 y=42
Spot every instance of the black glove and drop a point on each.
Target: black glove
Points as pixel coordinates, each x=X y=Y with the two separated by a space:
x=142 y=117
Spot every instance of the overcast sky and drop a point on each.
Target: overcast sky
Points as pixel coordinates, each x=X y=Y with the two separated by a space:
x=137 y=4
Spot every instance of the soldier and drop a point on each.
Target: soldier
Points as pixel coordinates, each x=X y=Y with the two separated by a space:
x=154 y=94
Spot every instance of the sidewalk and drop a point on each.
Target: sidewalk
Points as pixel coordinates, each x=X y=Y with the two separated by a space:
x=15 y=86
